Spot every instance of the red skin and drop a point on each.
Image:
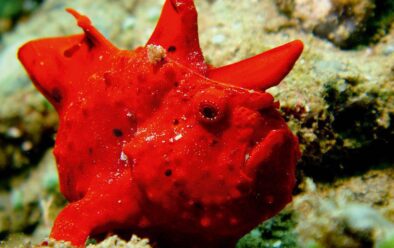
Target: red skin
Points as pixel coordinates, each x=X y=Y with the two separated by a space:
x=171 y=148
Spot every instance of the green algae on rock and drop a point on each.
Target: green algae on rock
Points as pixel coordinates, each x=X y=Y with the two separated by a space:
x=275 y=232
x=338 y=221
x=346 y=23
x=109 y=242
x=31 y=202
x=11 y=11
x=27 y=126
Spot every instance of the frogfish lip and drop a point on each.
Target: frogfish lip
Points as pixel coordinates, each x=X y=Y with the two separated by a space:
x=278 y=148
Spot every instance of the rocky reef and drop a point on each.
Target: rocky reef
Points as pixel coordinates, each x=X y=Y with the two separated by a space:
x=339 y=100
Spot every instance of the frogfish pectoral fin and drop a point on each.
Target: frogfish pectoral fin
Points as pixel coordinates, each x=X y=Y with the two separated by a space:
x=45 y=61
x=54 y=62
x=261 y=71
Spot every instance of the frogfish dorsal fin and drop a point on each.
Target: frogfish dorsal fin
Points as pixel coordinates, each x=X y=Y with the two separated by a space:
x=92 y=35
x=177 y=32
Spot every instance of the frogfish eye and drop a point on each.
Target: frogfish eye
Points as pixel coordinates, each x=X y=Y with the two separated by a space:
x=209 y=111
x=211 y=107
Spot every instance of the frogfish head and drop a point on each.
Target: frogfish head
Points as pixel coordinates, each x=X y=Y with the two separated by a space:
x=215 y=144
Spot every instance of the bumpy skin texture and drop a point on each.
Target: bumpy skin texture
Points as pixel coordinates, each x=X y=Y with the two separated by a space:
x=156 y=142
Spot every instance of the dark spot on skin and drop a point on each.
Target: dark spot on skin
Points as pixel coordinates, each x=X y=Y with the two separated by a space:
x=85 y=112
x=171 y=49
x=90 y=151
x=176 y=84
x=182 y=194
x=117 y=132
x=56 y=95
x=214 y=142
x=198 y=205
x=72 y=50
x=89 y=41
x=168 y=173
x=175 y=122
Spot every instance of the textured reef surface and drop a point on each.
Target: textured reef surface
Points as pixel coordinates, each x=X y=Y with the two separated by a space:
x=339 y=100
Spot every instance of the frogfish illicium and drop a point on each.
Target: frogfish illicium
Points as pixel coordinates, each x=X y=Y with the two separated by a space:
x=157 y=142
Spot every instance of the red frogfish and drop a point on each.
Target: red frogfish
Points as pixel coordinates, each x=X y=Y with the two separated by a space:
x=157 y=142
